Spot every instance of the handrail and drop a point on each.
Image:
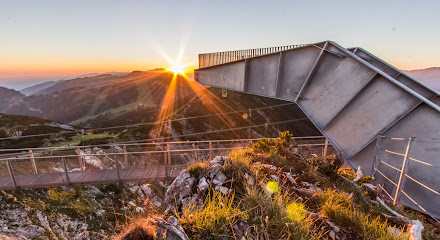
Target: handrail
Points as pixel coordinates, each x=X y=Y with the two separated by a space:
x=146 y=143
x=217 y=58
x=142 y=152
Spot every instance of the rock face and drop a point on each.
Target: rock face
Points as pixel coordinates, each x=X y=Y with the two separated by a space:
x=186 y=190
x=181 y=188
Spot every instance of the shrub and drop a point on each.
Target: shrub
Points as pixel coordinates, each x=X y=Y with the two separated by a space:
x=282 y=143
x=263 y=145
x=197 y=169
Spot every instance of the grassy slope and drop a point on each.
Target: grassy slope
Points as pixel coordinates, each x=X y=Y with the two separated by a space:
x=276 y=209
x=146 y=97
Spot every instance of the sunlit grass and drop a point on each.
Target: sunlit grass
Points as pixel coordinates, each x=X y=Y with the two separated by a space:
x=339 y=208
x=214 y=220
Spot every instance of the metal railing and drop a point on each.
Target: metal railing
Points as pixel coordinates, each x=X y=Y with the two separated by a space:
x=118 y=162
x=408 y=172
x=217 y=58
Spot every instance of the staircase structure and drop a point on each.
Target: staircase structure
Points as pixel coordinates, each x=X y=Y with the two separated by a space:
x=350 y=95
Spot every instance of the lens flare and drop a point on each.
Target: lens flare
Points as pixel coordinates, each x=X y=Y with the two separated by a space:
x=177 y=68
x=295 y=211
x=272 y=187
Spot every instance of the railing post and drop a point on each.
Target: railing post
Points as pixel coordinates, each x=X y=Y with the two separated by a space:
x=210 y=150
x=165 y=159
x=117 y=169
x=325 y=148
x=65 y=171
x=403 y=170
x=80 y=160
x=375 y=158
x=11 y=173
x=196 y=152
x=125 y=156
x=34 y=166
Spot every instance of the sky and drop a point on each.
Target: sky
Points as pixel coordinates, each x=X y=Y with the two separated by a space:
x=52 y=39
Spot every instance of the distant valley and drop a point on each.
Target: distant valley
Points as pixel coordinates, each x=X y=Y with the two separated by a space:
x=139 y=97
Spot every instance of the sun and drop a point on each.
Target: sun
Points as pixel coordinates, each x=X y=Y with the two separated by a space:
x=177 y=68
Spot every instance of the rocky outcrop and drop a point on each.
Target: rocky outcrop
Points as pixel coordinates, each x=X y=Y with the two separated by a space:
x=188 y=190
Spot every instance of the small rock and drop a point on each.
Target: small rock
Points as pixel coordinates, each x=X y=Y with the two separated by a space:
x=291 y=179
x=203 y=184
x=219 y=179
x=217 y=160
x=332 y=234
x=250 y=180
x=223 y=190
x=213 y=170
x=171 y=230
x=242 y=230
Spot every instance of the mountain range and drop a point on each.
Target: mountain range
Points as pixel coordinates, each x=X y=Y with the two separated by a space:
x=429 y=76
x=146 y=96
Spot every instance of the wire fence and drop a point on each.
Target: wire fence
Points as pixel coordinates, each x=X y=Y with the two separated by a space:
x=408 y=171
x=122 y=162
x=217 y=58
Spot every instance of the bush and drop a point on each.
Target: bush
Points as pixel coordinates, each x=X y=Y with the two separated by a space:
x=263 y=145
x=197 y=169
x=282 y=143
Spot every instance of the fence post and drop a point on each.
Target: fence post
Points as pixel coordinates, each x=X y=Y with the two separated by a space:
x=125 y=156
x=325 y=148
x=65 y=171
x=402 y=171
x=11 y=173
x=34 y=166
x=210 y=150
x=80 y=160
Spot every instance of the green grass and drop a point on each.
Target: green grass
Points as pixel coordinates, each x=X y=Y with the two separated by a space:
x=340 y=208
x=195 y=170
x=214 y=220
x=87 y=137
x=277 y=216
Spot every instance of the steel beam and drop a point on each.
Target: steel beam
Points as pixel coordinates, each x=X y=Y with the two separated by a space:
x=351 y=100
x=279 y=74
x=312 y=71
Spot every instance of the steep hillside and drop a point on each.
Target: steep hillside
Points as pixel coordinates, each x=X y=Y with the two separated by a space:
x=79 y=102
x=9 y=98
x=38 y=87
x=16 y=125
